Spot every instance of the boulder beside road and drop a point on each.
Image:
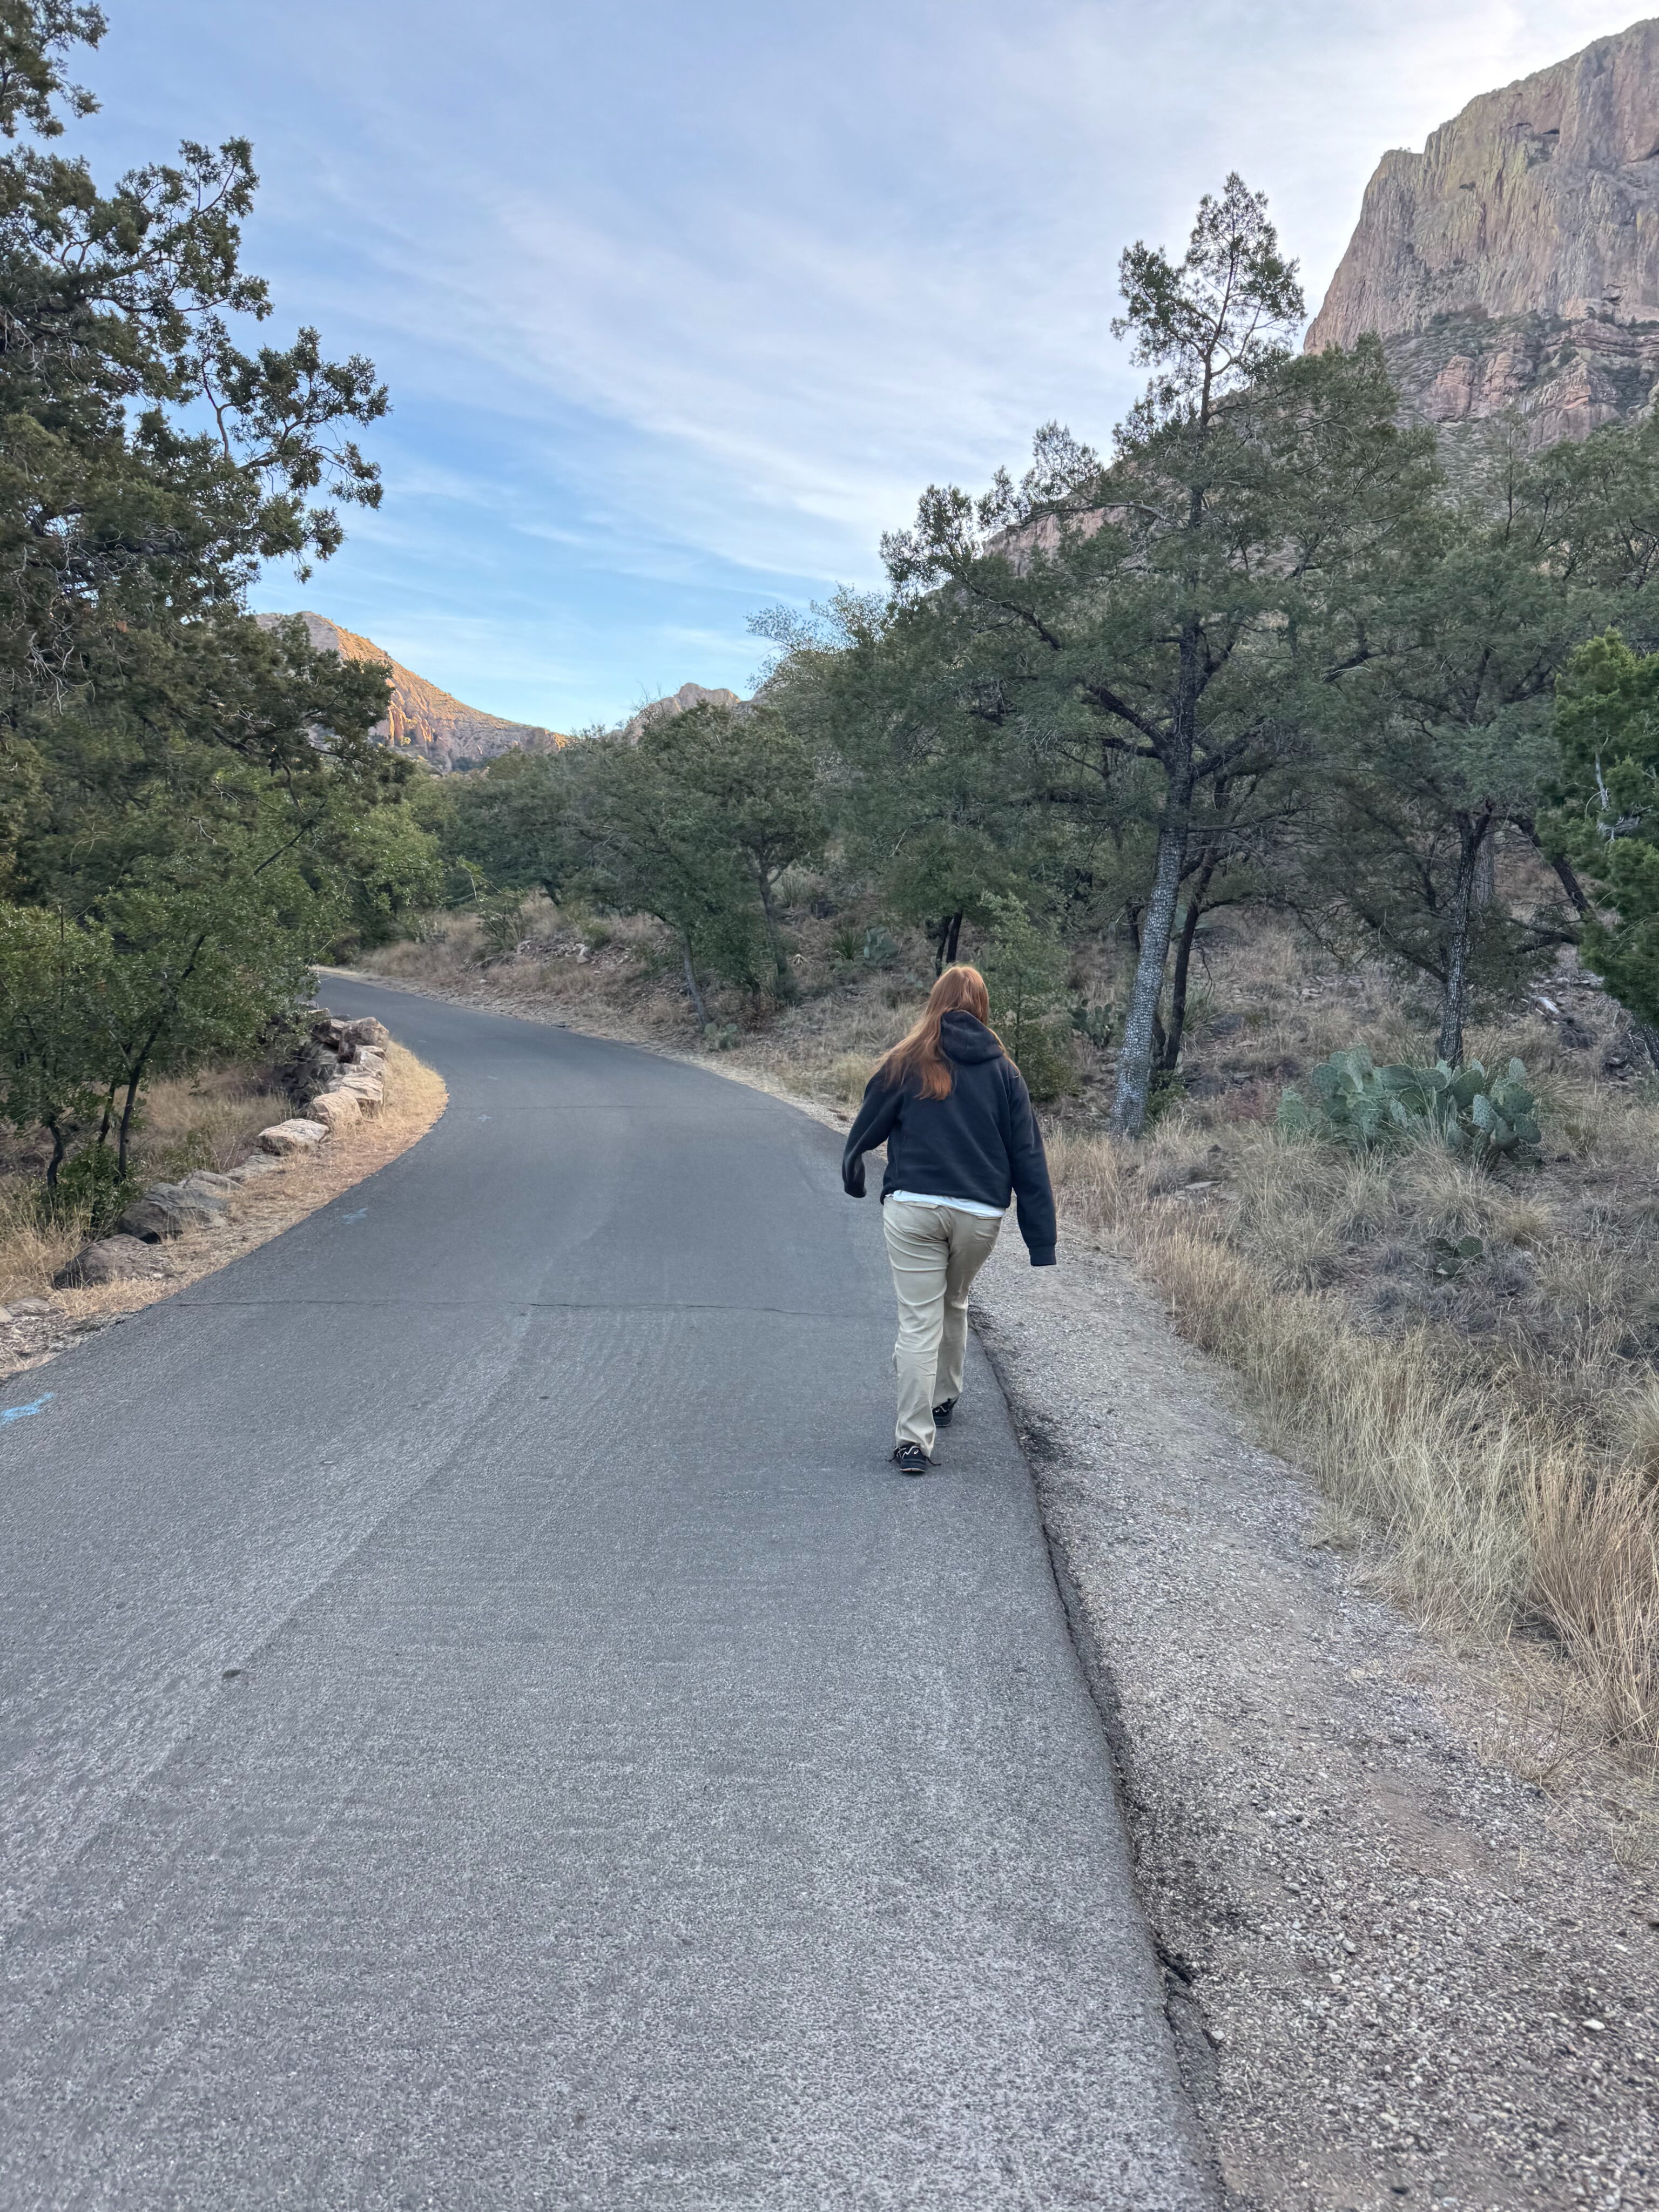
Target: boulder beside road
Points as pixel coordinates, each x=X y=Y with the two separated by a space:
x=168 y=1209
x=295 y=1136
x=108 y=1259
x=337 y=1108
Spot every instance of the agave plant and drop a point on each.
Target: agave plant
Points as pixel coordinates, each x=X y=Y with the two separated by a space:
x=1359 y=1104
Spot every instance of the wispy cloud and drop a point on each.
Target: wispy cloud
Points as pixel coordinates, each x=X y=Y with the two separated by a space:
x=682 y=307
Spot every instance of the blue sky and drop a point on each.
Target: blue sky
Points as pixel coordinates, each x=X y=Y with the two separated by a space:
x=681 y=306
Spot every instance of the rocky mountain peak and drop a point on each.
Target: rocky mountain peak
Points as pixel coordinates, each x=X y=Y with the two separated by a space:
x=1515 y=261
x=679 y=703
x=434 y=726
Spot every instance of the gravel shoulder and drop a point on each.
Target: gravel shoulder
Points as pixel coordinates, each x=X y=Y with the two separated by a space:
x=1399 y=1972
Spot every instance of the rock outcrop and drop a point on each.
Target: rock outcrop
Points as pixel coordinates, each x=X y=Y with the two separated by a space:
x=433 y=726
x=688 y=696
x=1513 y=263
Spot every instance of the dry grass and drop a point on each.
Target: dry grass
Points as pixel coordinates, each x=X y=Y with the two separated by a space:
x=1491 y=1429
x=614 y=977
x=212 y=1120
x=1497 y=1505
x=32 y=1247
x=31 y=1252
x=207 y=1121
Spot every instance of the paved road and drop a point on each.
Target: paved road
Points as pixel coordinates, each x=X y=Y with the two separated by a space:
x=483 y=1728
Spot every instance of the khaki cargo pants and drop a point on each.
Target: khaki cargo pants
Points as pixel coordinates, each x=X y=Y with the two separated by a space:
x=936 y=1252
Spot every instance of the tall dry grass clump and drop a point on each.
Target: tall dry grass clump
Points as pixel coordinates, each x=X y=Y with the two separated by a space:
x=1505 y=1464
x=34 y=1243
x=210 y=1119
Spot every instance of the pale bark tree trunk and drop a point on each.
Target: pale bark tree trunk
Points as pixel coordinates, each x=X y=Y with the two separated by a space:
x=1473 y=837
x=1134 y=1059
x=698 y=1008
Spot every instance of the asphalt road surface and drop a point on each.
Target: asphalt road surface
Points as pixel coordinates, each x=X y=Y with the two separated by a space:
x=483 y=1725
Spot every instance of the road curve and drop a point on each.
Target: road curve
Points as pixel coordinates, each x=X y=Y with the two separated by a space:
x=483 y=1727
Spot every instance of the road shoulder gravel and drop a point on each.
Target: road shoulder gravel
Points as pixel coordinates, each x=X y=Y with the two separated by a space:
x=1399 y=1972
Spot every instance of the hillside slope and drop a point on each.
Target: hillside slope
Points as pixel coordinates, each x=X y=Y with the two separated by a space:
x=436 y=726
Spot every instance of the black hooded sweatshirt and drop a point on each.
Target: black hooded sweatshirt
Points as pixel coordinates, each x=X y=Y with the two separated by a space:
x=982 y=1142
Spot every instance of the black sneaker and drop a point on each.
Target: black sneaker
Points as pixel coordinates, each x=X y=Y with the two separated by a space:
x=942 y=1413
x=910 y=1459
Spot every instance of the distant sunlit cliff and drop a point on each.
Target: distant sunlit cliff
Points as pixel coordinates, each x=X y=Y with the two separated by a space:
x=433 y=726
x=1514 y=262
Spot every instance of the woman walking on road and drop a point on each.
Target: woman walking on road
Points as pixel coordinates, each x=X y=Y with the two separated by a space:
x=961 y=1140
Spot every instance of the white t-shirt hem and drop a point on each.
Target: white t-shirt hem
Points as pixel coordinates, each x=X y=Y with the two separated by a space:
x=956 y=1205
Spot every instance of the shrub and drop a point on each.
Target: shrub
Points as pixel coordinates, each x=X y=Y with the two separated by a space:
x=91 y=1185
x=1025 y=967
x=1360 y=1105
x=500 y=917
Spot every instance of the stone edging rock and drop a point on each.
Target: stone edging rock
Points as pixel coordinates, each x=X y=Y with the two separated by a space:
x=338 y=1077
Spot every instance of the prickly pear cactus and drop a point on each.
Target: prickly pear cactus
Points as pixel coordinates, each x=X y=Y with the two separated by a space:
x=1358 y=1105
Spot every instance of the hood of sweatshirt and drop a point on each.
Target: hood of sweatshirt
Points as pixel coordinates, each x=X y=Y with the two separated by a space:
x=962 y=1038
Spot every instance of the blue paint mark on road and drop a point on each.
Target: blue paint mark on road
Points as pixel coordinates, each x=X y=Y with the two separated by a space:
x=357 y=1216
x=18 y=1413
x=483 y=1117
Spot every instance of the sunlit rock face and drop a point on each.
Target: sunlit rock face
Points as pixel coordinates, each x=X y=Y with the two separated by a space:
x=431 y=724
x=679 y=702
x=1513 y=263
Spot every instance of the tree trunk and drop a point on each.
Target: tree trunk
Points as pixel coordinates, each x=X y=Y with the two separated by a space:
x=1485 y=872
x=698 y=1008
x=1134 y=1059
x=1170 y=1051
x=1564 y=871
x=950 y=935
x=780 y=958
x=59 y=1146
x=1133 y=915
x=1474 y=832
x=124 y=1142
x=1141 y=1028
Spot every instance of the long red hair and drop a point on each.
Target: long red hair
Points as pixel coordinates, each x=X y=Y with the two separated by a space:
x=958 y=990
